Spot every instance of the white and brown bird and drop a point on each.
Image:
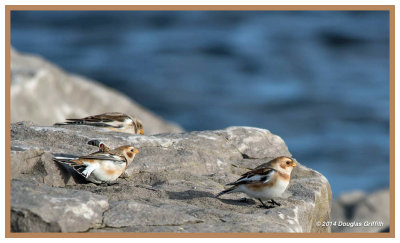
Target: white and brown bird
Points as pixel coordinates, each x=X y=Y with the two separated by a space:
x=102 y=166
x=265 y=182
x=114 y=121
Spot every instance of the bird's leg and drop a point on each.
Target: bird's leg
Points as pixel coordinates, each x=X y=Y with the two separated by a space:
x=265 y=206
x=262 y=202
x=274 y=202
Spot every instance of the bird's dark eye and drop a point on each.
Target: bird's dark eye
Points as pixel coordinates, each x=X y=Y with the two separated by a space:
x=132 y=150
x=287 y=162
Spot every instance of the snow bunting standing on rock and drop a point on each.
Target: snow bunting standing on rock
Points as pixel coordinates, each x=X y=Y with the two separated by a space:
x=103 y=148
x=115 y=121
x=265 y=182
x=102 y=166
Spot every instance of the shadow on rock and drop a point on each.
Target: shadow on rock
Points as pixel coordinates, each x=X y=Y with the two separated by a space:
x=189 y=194
x=68 y=174
x=238 y=202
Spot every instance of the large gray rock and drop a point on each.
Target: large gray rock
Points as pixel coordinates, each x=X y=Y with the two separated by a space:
x=360 y=212
x=121 y=213
x=172 y=183
x=44 y=94
x=37 y=207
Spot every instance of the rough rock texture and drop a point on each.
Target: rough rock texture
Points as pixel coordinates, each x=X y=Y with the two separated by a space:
x=37 y=207
x=372 y=211
x=172 y=183
x=44 y=94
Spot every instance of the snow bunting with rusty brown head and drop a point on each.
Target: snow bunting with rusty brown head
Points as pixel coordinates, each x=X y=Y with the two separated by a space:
x=114 y=121
x=102 y=166
x=265 y=182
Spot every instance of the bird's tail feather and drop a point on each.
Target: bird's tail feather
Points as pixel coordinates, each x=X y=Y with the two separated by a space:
x=80 y=168
x=226 y=191
x=59 y=124
x=68 y=161
x=83 y=122
x=70 y=123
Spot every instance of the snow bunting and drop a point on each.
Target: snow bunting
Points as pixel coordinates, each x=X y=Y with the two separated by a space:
x=115 y=121
x=102 y=166
x=102 y=147
x=265 y=182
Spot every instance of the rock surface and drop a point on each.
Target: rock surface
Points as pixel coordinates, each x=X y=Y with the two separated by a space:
x=45 y=94
x=372 y=211
x=170 y=186
x=37 y=207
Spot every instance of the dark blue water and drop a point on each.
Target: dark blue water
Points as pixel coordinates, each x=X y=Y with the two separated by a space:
x=320 y=80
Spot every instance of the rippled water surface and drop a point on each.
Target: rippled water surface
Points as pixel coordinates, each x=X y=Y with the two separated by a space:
x=320 y=80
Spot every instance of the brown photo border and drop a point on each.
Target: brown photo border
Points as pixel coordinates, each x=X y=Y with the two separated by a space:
x=390 y=8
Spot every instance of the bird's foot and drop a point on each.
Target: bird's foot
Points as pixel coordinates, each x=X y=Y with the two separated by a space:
x=244 y=200
x=273 y=202
x=263 y=205
x=266 y=206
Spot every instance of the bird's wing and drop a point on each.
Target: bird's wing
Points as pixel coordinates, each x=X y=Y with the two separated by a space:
x=93 y=122
x=108 y=117
x=263 y=175
x=264 y=166
x=104 y=156
x=82 y=122
x=75 y=164
x=114 y=119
